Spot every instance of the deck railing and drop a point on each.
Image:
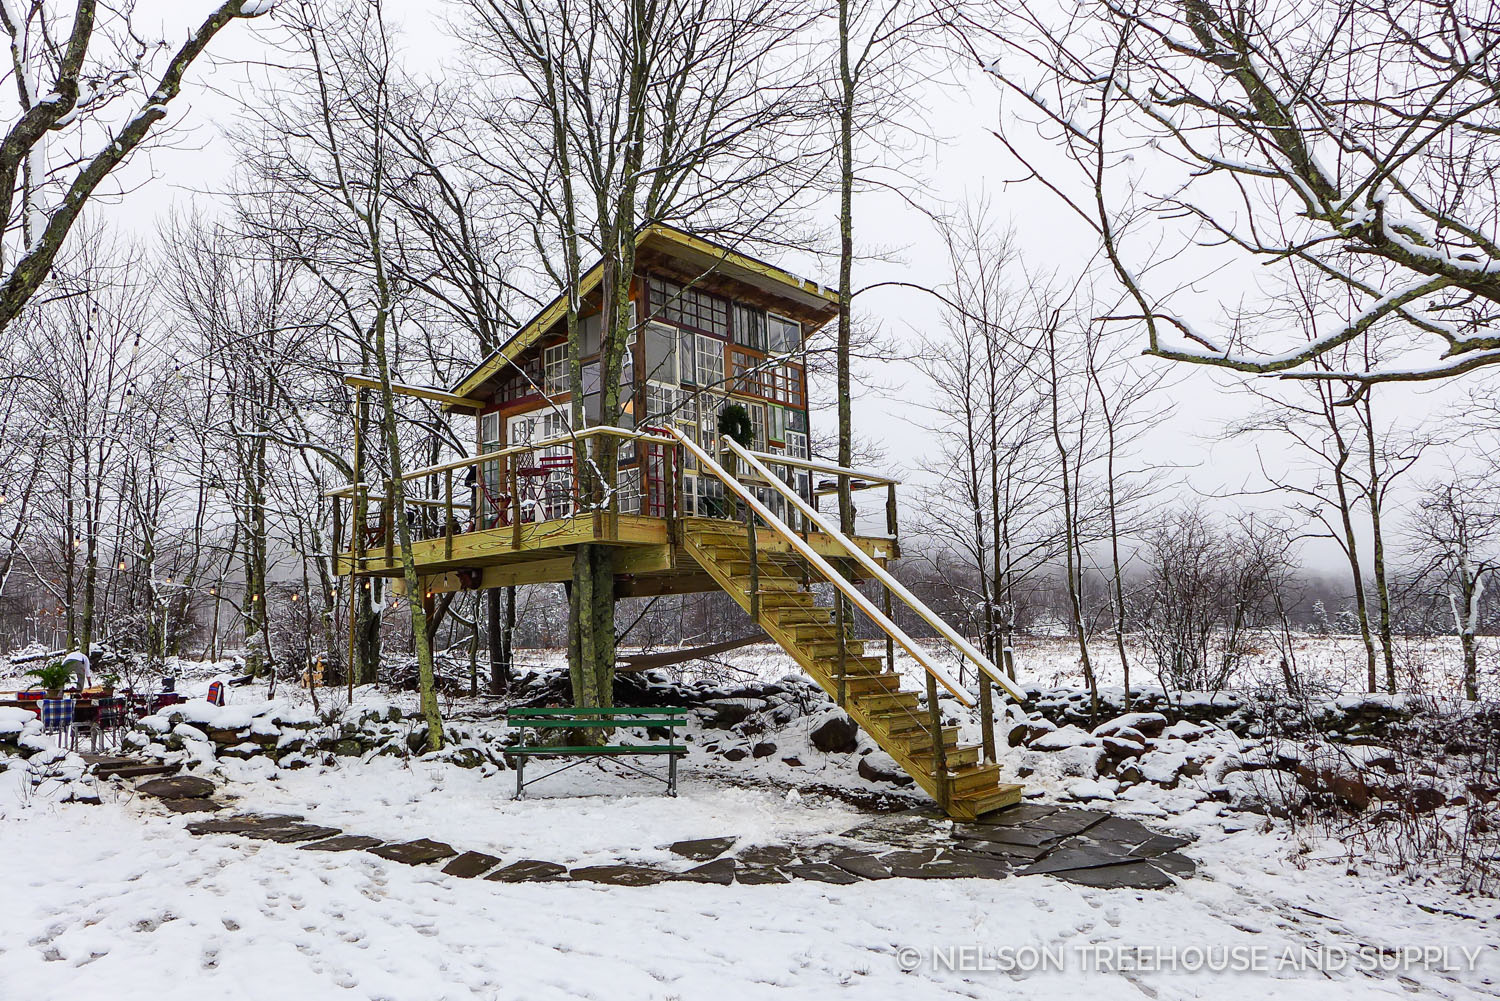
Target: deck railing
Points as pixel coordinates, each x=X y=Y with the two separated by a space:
x=540 y=481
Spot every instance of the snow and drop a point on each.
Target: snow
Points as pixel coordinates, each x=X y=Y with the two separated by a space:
x=119 y=894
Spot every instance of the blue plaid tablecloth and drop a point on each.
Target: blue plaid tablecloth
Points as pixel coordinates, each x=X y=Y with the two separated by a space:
x=57 y=714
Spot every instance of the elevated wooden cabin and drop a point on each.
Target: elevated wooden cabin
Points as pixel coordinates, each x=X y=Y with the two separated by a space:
x=690 y=510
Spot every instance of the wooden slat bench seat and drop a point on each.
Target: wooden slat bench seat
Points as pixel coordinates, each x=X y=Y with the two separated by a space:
x=535 y=724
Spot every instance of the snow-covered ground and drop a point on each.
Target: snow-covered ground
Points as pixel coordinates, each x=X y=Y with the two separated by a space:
x=118 y=900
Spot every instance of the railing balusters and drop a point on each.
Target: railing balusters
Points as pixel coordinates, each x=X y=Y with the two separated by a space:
x=939 y=752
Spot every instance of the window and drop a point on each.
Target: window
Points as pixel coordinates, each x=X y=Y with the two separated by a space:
x=689 y=307
x=629 y=491
x=489 y=472
x=555 y=368
x=745 y=373
x=757 y=426
x=776 y=429
x=710 y=363
x=782 y=335
x=796 y=444
x=749 y=327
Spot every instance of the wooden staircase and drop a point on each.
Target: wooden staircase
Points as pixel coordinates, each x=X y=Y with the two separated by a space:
x=771 y=587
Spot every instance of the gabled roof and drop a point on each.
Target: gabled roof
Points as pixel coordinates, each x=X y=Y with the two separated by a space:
x=703 y=255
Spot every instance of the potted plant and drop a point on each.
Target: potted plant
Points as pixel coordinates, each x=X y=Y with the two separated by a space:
x=52 y=677
x=109 y=681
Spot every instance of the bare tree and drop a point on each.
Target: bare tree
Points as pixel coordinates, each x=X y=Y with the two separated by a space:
x=74 y=77
x=1352 y=137
x=1457 y=532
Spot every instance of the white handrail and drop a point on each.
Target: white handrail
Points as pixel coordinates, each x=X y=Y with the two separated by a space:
x=877 y=571
x=837 y=579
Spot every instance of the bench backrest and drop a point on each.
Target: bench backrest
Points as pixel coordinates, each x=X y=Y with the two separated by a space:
x=589 y=717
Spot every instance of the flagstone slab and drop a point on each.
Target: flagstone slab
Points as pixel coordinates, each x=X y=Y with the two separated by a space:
x=1138 y=875
x=701 y=849
x=720 y=871
x=822 y=872
x=177 y=787
x=471 y=864
x=529 y=871
x=618 y=875
x=419 y=852
x=342 y=843
x=864 y=866
x=760 y=875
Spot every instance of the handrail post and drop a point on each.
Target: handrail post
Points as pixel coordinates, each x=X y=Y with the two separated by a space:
x=890 y=643
x=754 y=566
x=890 y=510
x=838 y=628
x=515 y=504
x=987 y=718
x=939 y=752
x=448 y=514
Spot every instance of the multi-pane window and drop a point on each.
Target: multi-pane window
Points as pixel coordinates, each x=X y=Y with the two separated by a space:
x=487 y=498
x=555 y=369
x=689 y=307
x=796 y=444
x=628 y=491
x=757 y=426
x=745 y=371
x=782 y=335
x=710 y=363
x=776 y=424
x=749 y=327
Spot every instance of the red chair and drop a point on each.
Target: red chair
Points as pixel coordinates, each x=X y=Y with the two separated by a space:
x=216 y=693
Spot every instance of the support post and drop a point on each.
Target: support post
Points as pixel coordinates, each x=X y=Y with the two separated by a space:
x=890 y=510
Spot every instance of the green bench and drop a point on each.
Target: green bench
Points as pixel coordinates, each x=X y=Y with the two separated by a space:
x=538 y=724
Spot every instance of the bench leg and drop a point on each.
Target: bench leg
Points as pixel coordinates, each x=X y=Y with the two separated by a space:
x=520 y=776
x=672 y=775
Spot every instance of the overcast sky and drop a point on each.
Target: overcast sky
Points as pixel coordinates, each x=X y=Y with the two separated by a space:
x=963 y=162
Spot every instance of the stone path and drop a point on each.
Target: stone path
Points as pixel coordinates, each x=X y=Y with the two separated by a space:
x=1087 y=847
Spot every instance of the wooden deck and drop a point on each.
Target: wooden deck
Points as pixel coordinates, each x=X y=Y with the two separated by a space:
x=652 y=557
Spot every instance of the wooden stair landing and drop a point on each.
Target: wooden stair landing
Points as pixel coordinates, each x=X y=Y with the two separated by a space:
x=874 y=698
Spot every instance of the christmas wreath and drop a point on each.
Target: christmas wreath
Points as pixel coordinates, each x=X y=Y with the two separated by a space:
x=734 y=422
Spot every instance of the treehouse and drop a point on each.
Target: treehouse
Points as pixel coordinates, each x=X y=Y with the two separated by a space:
x=715 y=333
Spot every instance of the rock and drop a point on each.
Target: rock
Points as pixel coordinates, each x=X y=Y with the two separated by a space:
x=1028 y=731
x=763 y=750
x=1117 y=748
x=881 y=768
x=347 y=748
x=177 y=787
x=1347 y=787
x=471 y=864
x=701 y=849
x=776 y=855
x=792 y=762
x=735 y=754
x=837 y=734
x=1425 y=799
x=1063 y=738
x=1147 y=724
x=727 y=716
x=760 y=876
x=418 y=852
